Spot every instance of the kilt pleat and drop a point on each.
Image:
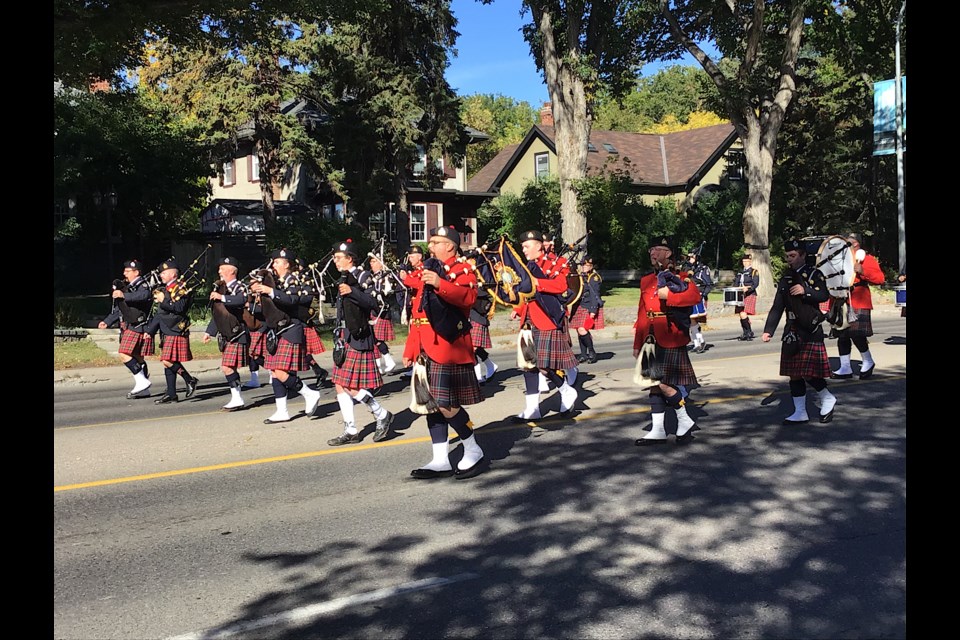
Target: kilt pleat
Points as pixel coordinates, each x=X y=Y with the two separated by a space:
x=235 y=355
x=133 y=343
x=480 y=335
x=314 y=343
x=359 y=370
x=861 y=328
x=677 y=368
x=750 y=305
x=811 y=362
x=290 y=356
x=258 y=344
x=581 y=316
x=453 y=385
x=176 y=349
x=553 y=349
x=383 y=330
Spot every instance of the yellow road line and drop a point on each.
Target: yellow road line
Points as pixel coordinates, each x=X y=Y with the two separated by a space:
x=408 y=441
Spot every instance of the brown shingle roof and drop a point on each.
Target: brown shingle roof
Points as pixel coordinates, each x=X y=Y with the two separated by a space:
x=652 y=160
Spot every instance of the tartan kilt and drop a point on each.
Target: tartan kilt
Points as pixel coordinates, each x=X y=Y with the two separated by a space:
x=677 y=368
x=176 y=349
x=581 y=316
x=553 y=349
x=862 y=328
x=453 y=385
x=133 y=343
x=359 y=370
x=811 y=362
x=289 y=357
x=383 y=330
x=314 y=343
x=480 y=335
x=258 y=345
x=749 y=305
x=235 y=355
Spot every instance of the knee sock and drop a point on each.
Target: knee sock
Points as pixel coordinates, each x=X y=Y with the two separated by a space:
x=460 y=422
x=375 y=407
x=588 y=340
x=844 y=346
x=279 y=389
x=293 y=383
x=345 y=401
x=133 y=366
x=583 y=344
x=383 y=348
x=481 y=353
x=171 y=377
x=182 y=370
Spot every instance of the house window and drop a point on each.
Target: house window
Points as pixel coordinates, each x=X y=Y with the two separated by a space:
x=610 y=148
x=421 y=165
x=253 y=168
x=590 y=147
x=541 y=163
x=393 y=223
x=735 y=164
x=229 y=179
x=377 y=225
x=418 y=223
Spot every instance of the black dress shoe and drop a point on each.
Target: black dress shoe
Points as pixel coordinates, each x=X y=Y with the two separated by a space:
x=686 y=438
x=463 y=474
x=592 y=359
x=522 y=420
x=430 y=474
x=864 y=375
x=192 y=386
x=581 y=358
x=841 y=376
x=827 y=418
x=649 y=442
x=165 y=399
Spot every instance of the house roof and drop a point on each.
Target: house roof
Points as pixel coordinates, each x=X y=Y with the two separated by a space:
x=255 y=207
x=656 y=161
x=304 y=110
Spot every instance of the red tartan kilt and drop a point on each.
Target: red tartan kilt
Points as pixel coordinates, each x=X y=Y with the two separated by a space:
x=289 y=357
x=581 y=316
x=314 y=343
x=383 y=330
x=749 y=305
x=811 y=362
x=235 y=355
x=176 y=349
x=480 y=336
x=359 y=370
x=677 y=368
x=258 y=344
x=130 y=341
x=861 y=328
x=553 y=349
x=825 y=306
x=453 y=385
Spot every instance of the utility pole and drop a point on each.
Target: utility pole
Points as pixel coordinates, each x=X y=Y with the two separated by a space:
x=901 y=190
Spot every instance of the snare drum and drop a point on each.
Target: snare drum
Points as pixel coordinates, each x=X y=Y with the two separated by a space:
x=901 y=295
x=733 y=297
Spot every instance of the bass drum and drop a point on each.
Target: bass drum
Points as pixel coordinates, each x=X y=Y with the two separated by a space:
x=833 y=256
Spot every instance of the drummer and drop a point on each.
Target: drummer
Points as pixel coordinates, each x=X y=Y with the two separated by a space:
x=747 y=279
x=867 y=272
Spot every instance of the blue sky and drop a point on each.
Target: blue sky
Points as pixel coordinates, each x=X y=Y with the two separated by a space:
x=494 y=58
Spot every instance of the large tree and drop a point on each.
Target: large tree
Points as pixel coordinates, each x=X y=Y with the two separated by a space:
x=581 y=47
x=762 y=39
x=504 y=119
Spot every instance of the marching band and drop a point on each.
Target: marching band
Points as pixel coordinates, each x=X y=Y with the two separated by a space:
x=270 y=319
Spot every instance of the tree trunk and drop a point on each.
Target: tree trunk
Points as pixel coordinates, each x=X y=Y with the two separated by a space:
x=403 y=216
x=756 y=214
x=572 y=120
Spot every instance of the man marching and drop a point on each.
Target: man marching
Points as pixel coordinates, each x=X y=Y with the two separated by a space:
x=439 y=330
x=868 y=272
x=799 y=293
x=132 y=306
x=231 y=328
x=670 y=346
x=546 y=315
x=174 y=322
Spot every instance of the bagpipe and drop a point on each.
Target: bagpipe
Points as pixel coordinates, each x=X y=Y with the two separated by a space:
x=322 y=283
x=834 y=257
x=191 y=278
x=229 y=325
x=574 y=253
x=276 y=319
x=447 y=321
x=505 y=273
x=386 y=282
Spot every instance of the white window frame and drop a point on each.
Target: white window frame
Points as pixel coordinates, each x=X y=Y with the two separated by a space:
x=254 y=165
x=537 y=161
x=420 y=166
x=418 y=229
x=377 y=225
x=736 y=164
x=229 y=174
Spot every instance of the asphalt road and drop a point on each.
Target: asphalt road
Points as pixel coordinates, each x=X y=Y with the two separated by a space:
x=183 y=521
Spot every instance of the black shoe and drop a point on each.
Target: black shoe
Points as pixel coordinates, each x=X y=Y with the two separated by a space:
x=649 y=442
x=321 y=378
x=430 y=474
x=686 y=438
x=471 y=472
x=841 y=376
x=592 y=359
x=582 y=357
x=344 y=438
x=164 y=399
x=864 y=375
x=192 y=386
x=701 y=348
x=827 y=418
x=383 y=428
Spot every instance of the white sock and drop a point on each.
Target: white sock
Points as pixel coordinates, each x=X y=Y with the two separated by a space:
x=281 y=412
x=571 y=375
x=568 y=396
x=235 y=395
x=349 y=427
x=544 y=383
x=346 y=407
x=684 y=421
x=441 y=458
x=480 y=371
x=827 y=401
x=799 y=409
x=254 y=377
x=367 y=398
x=380 y=364
x=140 y=382
x=491 y=367
x=389 y=364
x=532 y=409
x=844 y=366
x=867 y=361
x=657 y=432
x=471 y=453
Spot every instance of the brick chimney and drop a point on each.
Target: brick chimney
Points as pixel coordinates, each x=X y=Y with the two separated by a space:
x=546 y=115
x=99 y=85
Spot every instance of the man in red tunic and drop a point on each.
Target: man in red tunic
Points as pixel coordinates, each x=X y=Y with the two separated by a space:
x=444 y=291
x=671 y=345
x=868 y=272
x=546 y=315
